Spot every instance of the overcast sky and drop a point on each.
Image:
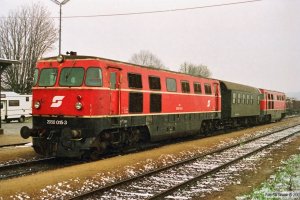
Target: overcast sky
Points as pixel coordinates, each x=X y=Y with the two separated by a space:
x=255 y=43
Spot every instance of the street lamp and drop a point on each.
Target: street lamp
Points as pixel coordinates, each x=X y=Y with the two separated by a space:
x=60 y=5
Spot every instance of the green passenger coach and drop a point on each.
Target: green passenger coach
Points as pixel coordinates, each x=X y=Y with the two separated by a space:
x=240 y=103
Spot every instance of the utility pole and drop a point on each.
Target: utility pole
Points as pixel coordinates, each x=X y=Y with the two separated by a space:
x=60 y=6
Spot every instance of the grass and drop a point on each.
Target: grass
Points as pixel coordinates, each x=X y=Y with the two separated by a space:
x=284 y=184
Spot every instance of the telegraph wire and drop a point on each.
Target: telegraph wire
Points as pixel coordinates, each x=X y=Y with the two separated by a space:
x=157 y=11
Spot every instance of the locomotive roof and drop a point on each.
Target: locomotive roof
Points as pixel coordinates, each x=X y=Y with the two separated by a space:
x=82 y=57
x=240 y=87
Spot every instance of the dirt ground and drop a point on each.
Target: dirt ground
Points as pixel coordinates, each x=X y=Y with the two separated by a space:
x=75 y=177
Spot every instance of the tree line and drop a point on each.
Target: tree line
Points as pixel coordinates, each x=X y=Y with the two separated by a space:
x=29 y=32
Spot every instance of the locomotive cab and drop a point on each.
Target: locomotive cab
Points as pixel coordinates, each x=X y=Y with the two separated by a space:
x=67 y=92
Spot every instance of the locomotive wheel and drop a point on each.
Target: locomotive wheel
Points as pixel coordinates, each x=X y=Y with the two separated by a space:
x=203 y=129
x=38 y=150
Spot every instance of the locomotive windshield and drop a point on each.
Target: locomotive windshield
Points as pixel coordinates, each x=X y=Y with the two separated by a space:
x=71 y=77
x=48 y=77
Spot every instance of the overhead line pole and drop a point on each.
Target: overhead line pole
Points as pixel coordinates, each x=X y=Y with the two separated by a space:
x=60 y=13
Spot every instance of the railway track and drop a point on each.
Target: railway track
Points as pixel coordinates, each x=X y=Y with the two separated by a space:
x=27 y=167
x=14 y=145
x=167 y=181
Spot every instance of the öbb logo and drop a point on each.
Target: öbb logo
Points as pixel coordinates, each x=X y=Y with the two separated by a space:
x=57 y=101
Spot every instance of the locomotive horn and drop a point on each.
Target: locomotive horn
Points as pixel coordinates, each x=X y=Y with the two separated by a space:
x=25 y=132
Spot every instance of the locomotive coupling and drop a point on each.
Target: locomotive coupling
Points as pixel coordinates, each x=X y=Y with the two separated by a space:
x=25 y=132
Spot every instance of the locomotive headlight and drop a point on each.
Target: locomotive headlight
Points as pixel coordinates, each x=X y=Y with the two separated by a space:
x=60 y=58
x=37 y=104
x=78 y=106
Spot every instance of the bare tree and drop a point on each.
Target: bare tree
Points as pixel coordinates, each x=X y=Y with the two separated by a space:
x=25 y=35
x=146 y=58
x=197 y=70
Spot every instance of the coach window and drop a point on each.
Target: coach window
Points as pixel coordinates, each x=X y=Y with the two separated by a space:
x=248 y=99
x=244 y=99
x=258 y=100
x=135 y=81
x=239 y=98
x=135 y=102
x=197 y=88
x=71 y=77
x=35 y=76
x=48 y=77
x=234 y=97
x=251 y=100
x=154 y=83
x=171 y=85
x=93 y=77
x=185 y=87
x=207 y=88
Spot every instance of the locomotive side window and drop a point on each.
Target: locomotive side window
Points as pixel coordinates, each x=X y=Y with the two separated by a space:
x=135 y=102
x=171 y=85
x=207 y=88
x=71 y=77
x=93 y=77
x=135 y=81
x=35 y=76
x=154 y=83
x=155 y=102
x=48 y=77
x=185 y=87
x=197 y=88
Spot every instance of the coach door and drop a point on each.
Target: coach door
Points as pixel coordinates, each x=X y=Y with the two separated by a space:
x=115 y=90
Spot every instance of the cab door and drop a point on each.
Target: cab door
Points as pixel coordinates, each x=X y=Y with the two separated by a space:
x=115 y=90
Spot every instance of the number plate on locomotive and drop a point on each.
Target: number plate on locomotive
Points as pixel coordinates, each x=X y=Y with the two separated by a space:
x=57 y=122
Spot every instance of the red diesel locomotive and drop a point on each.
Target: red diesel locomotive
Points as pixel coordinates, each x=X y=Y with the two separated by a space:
x=87 y=106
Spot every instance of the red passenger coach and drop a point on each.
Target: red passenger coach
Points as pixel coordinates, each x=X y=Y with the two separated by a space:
x=85 y=105
x=272 y=105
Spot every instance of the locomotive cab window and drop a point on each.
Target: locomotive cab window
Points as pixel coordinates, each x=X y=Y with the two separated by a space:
x=185 y=87
x=207 y=88
x=93 y=77
x=154 y=83
x=48 y=77
x=71 y=77
x=197 y=88
x=135 y=81
x=171 y=85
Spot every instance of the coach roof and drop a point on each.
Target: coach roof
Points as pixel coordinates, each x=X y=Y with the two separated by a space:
x=240 y=87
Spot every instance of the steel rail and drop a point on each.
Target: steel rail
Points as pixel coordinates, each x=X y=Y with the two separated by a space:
x=16 y=166
x=149 y=173
x=12 y=145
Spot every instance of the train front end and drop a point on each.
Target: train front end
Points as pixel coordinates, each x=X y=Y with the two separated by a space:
x=68 y=95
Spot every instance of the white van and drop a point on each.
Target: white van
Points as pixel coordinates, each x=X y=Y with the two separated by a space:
x=15 y=106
